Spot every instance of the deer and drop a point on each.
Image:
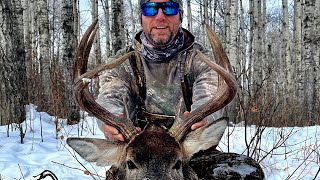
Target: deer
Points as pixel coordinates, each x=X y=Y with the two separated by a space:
x=154 y=152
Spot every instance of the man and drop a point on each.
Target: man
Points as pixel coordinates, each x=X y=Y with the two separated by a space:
x=151 y=86
x=167 y=53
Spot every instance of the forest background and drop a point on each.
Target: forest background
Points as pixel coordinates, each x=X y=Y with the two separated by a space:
x=273 y=46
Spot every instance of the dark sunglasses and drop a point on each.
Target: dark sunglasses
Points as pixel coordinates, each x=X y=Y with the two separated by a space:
x=168 y=8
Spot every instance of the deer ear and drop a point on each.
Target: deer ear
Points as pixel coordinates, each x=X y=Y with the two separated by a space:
x=101 y=151
x=204 y=137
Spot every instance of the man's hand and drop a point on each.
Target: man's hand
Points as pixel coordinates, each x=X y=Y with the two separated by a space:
x=112 y=133
x=198 y=124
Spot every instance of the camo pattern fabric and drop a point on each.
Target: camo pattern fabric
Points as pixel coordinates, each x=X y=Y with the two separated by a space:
x=118 y=87
x=162 y=54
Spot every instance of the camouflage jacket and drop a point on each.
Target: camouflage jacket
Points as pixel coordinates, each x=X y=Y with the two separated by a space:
x=118 y=88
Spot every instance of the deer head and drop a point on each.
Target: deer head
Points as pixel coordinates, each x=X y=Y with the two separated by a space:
x=153 y=153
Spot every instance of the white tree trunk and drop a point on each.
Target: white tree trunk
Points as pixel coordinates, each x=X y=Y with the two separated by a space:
x=13 y=91
x=118 y=32
x=233 y=52
x=26 y=6
x=107 y=27
x=317 y=59
x=189 y=16
x=97 y=47
x=44 y=52
x=205 y=20
x=76 y=14
x=288 y=67
x=233 y=55
x=257 y=63
x=67 y=59
x=298 y=52
x=227 y=30
x=308 y=58
x=133 y=21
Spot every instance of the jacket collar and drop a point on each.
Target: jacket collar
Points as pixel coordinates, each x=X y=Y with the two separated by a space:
x=189 y=40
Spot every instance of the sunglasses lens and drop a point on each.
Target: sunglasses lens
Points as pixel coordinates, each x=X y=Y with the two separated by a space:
x=149 y=11
x=168 y=8
x=170 y=11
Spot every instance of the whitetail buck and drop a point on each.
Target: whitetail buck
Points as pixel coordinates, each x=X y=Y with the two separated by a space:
x=154 y=153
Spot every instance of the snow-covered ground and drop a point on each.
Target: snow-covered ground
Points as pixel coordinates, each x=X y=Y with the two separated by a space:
x=286 y=153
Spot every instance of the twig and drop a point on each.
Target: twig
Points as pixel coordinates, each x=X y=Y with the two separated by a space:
x=279 y=143
x=317 y=173
x=21 y=172
x=67 y=166
x=301 y=164
x=75 y=168
x=75 y=157
x=41 y=130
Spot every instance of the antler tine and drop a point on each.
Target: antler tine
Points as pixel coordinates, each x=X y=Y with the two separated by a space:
x=223 y=96
x=80 y=87
x=81 y=62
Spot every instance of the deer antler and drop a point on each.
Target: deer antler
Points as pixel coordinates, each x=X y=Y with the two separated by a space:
x=80 y=87
x=223 y=96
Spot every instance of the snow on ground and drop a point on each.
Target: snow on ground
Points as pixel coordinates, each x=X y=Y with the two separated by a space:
x=286 y=153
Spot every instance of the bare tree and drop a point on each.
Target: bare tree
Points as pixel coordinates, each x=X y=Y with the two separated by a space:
x=118 y=33
x=189 y=15
x=13 y=91
x=317 y=62
x=67 y=58
x=76 y=16
x=107 y=26
x=286 y=55
x=44 y=51
x=309 y=48
x=97 y=47
x=298 y=55
x=233 y=51
x=133 y=21
x=27 y=18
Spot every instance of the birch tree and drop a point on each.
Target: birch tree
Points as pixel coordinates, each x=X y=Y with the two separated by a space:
x=133 y=21
x=76 y=14
x=233 y=35
x=205 y=20
x=44 y=51
x=286 y=56
x=189 y=16
x=308 y=59
x=107 y=26
x=298 y=54
x=67 y=58
x=27 y=18
x=227 y=23
x=13 y=91
x=317 y=61
x=233 y=49
x=118 y=32
x=97 y=47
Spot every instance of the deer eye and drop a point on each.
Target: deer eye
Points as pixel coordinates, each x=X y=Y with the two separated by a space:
x=177 y=165
x=131 y=165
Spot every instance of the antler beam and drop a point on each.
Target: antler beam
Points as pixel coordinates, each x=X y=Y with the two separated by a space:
x=80 y=87
x=223 y=96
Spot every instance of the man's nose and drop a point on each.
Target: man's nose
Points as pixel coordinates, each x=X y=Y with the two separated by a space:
x=160 y=14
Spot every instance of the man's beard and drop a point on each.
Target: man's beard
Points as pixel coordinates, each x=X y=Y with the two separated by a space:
x=161 y=42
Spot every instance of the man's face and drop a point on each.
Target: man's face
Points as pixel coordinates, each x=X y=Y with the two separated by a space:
x=161 y=28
